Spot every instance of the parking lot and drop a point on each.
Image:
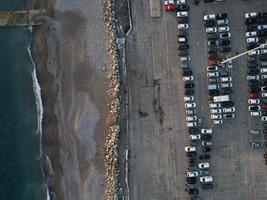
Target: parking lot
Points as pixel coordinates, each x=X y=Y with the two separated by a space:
x=158 y=132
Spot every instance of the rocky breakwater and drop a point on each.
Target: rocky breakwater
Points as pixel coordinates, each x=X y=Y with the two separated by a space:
x=113 y=188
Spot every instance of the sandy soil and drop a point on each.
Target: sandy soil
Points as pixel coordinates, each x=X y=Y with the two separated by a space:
x=74 y=82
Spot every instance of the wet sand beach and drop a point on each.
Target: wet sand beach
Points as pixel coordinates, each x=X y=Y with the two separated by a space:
x=72 y=59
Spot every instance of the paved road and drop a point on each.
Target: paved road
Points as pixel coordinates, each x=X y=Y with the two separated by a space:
x=156 y=118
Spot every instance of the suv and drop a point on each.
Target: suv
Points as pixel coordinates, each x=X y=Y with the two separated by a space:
x=222 y=22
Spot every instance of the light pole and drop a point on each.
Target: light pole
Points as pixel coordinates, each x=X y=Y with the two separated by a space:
x=242 y=54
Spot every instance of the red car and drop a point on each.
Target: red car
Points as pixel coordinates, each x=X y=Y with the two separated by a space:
x=170 y=8
x=212 y=62
x=253 y=95
x=264 y=106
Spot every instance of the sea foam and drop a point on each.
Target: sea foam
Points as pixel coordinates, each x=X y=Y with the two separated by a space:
x=39 y=105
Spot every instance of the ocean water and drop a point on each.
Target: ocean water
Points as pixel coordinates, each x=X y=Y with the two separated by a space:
x=21 y=175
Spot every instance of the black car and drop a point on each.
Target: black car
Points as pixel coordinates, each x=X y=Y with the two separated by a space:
x=253 y=71
x=206 y=149
x=252 y=65
x=191 y=180
x=186 y=66
x=225 y=91
x=251 y=46
x=193 y=130
x=263 y=57
x=206 y=137
x=254 y=108
x=204 y=157
x=254 y=89
x=262 y=21
x=196 y=2
x=192 y=160
x=264 y=82
x=224 y=42
x=206 y=186
x=212 y=36
x=183 y=53
x=252 y=28
x=262 y=15
x=212 y=49
x=262 y=33
x=183 y=20
x=189 y=92
x=209 y=23
x=182 y=34
x=183 y=7
x=213 y=92
x=225 y=49
x=228 y=104
x=264 y=113
x=207 y=1
x=183 y=47
x=187 y=72
x=251 y=21
x=189 y=85
x=252 y=59
x=224 y=73
x=191 y=154
x=193 y=191
x=221 y=16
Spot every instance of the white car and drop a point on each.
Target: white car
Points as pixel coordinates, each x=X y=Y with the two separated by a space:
x=181 y=39
x=215 y=105
x=188 y=78
x=190 y=149
x=264 y=118
x=262 y=27
x=180 y=2
x=182 y=14
x=195 y=137
x=212 y=74
x=189 y=98
x=228 y=110
x=182 y=26
x=251 y=15
x=216 y=116
x=226 y=85
x=206 y=131
x=223 y=29
x=252 y=40
x=264 y=76
x=190 y=112
x=192 y=174
x=222 y=22
x=256 y=77
x=190 y=105
x=264 y=51
x=264 y=88
x=215 y=111
x=255 y=113
x=209 y=17
x=226 y=79
x=191 y=118
x=211 y=30
x=191 y=124
x=217 y=122
x=206 y=179
x=264 y=94
x=253 y=101
x=204 y=165
x=251 y=34
x=253 y=53
x=263 y=70
x=185 y=58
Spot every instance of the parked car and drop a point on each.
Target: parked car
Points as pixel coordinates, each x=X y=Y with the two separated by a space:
x=211 y=30
x=189 y=85
x=182 y=26
x=254 y=108
x=221 y=16
x=222 y=22
x=251 y=34
x=213 y=42
x=253 y=101
x=188 y=78
x=251 y=15
x=229 y=110
x=228 y=104
x=182 y=20
x=225 y=49
x=206 y=131
x=255 y=113
x=224 y=42
x=209 y=23
x=217 y=122
x=223 y=29
x=225 y=35
x=226 y=79
x=212 y=74
x=229 y=116
x=252 y=40
x=204 y=165
x=206 y=179
x=209 y=17
x=215 y=105
x=189 y=98
x=204 y=157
